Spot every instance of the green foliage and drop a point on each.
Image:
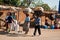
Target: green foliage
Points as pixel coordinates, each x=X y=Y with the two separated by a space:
x=15 y=2
x=23 y=3
x=10 y=2
x=1 y=2
x=45 y=6
x=26 y=2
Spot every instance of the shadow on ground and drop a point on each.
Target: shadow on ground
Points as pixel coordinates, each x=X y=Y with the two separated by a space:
x=3 y=33
x=18 y=35
x=14 y=34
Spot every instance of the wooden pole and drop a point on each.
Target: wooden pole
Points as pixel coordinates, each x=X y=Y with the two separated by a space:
x=0 y=24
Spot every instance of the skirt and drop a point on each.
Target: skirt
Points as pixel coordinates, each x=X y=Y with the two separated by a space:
x=26 y=26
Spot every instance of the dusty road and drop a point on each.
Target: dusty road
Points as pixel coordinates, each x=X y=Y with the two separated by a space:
x=47 y=34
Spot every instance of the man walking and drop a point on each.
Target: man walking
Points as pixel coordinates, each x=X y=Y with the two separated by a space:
x=37 y=25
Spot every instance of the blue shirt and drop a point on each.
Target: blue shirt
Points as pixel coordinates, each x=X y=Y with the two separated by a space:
x=9 y=19
x=37 y=20
x=27 y=19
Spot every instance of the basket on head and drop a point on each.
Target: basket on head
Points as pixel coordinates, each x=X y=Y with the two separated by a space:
x=28 y=10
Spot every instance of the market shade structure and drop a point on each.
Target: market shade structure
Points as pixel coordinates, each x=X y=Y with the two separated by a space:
x=2 y=7
x=11 y=9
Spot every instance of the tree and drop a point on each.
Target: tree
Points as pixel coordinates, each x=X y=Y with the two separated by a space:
x=15 y=2
x=45 y=6
x=12 y=2
x=32 y=5
x=26 y=2
x=39 y=2
x=1 y=2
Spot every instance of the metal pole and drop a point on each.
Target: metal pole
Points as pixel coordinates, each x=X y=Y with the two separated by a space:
x=59 y=7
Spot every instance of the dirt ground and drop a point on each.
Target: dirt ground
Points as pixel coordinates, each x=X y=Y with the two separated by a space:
x=46 y=34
